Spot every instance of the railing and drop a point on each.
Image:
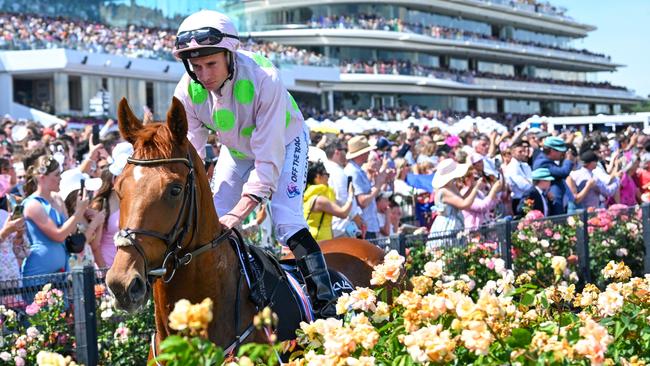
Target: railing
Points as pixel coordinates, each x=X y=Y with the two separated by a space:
x=529 y=8
x=590 y=238
x=528 y=86
x=454 y=39
x=585 y=236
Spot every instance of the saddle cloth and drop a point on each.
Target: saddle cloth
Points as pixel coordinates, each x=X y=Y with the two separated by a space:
x=280 y=286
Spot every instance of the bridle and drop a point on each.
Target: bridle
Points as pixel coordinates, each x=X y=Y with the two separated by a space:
x=174 y=242
x=175 y=238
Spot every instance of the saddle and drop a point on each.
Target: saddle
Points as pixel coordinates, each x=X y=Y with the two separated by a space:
x=280 y=286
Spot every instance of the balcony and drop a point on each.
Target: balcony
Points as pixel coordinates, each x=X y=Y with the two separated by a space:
x=441 y=43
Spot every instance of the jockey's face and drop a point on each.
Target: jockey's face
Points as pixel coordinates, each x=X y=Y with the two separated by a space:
x=211 y=70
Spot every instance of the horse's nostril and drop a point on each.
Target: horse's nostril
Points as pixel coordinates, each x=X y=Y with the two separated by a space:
x=137 y=289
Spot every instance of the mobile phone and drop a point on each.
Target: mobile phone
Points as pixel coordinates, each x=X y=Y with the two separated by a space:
x=95 y=136
x=349 y=182
x=82 y=187
x=17 y=212
x=209 y=152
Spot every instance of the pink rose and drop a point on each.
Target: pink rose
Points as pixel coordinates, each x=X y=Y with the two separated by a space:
x=490 y=264
x=557 y=236
x=19 y=361
x=32 y=309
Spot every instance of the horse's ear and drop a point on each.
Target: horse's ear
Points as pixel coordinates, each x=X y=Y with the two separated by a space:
x=177 y=120
x=129 y=124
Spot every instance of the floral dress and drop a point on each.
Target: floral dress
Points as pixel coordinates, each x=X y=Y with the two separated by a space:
x=446 y=226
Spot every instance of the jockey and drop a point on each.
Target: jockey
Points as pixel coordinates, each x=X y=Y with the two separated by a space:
x=239 y=95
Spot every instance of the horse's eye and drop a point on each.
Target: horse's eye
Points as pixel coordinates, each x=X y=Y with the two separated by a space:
x=176 y=190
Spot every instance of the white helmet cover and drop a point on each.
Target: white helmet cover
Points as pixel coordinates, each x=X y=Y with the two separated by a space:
x=207 y=19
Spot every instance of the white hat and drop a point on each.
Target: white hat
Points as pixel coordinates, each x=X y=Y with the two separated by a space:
x=71 y=181
x=447 y=171
x=121 y=152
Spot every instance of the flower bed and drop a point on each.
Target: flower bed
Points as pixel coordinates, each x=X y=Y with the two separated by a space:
x=435 y=319
x=44 y=332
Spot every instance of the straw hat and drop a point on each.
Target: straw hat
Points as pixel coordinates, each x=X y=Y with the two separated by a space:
x=447 y=171
x=357 y=146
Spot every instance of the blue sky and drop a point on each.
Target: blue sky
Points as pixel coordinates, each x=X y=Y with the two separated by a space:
x=623 y=33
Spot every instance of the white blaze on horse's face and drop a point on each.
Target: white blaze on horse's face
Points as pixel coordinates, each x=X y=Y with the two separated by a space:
x=137 y=173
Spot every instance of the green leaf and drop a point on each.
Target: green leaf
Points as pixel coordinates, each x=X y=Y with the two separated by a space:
x=172 y=341
x=567 y=319
x=520 y=338
x=527 y=299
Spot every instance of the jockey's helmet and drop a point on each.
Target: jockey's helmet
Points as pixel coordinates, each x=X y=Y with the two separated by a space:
x=205 y=33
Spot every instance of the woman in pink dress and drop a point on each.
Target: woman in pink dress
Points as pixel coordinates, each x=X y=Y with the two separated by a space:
x=106 y=200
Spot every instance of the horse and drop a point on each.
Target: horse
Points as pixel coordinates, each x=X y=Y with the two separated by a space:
x=172 y=244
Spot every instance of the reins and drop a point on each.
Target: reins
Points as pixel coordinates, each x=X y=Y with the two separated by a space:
x=174 y=244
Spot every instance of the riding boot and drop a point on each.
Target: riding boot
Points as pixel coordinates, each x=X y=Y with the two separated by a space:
x=312 y=266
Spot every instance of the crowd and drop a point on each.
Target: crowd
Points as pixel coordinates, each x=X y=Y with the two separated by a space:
x=406 y=67
x=376 y=22
x=27 y=31
x=59 y=210
x=403 y=113
x=465 y=181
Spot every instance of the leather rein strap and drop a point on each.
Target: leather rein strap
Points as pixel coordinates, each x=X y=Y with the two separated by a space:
x=174 y=242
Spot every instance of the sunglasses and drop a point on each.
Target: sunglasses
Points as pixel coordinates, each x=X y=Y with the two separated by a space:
x=207 y=36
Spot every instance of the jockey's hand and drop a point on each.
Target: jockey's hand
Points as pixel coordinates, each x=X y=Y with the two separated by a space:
x=230 y=220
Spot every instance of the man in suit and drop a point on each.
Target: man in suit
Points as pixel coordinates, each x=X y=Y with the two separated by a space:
x=536 y=196
x=559 y=162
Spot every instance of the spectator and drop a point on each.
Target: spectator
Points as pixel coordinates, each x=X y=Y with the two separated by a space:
x=554 y=150
x=384 y=213
x=536 y=198
x=106 y=201
x=90 y=224
x=643 y=177
x=480 y=211
x=518 y=173
x=13 y=247
x=629 y=193
x=365 y=190
x=46 y=223
x=338 y=181
x=585 y=186
x=319 y=202
x=449 y=202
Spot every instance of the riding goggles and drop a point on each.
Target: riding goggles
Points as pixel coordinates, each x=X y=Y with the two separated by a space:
x=207 y=36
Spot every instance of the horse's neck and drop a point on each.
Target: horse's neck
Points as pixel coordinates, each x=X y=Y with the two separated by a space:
x=213 y=274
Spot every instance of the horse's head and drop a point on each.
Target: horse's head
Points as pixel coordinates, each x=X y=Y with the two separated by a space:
x=160 y=193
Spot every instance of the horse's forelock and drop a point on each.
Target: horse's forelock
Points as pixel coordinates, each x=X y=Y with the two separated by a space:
x=154 y=141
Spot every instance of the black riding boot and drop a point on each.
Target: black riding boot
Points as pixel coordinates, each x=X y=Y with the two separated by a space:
x=312 y=266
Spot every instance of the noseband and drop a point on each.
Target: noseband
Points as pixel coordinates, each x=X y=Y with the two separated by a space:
x=175 y=237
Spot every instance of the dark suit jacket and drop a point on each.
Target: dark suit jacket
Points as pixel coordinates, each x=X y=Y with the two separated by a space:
x=538 y=203
x=558 y=186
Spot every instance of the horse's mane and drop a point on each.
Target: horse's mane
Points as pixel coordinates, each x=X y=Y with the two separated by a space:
x=154 y=141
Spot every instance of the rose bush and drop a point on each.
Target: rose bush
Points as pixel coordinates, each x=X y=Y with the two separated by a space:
x=45 y=325
x=441 y=320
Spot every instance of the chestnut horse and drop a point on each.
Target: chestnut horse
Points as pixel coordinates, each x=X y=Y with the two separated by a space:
x=164 y=189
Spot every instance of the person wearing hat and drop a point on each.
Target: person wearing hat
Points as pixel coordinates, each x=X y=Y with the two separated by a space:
x=559 y=162
x=449 y=202
x=517 y=173
x=365 y=190
x=536 y=197
x=239 y=95
x=586 y=187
